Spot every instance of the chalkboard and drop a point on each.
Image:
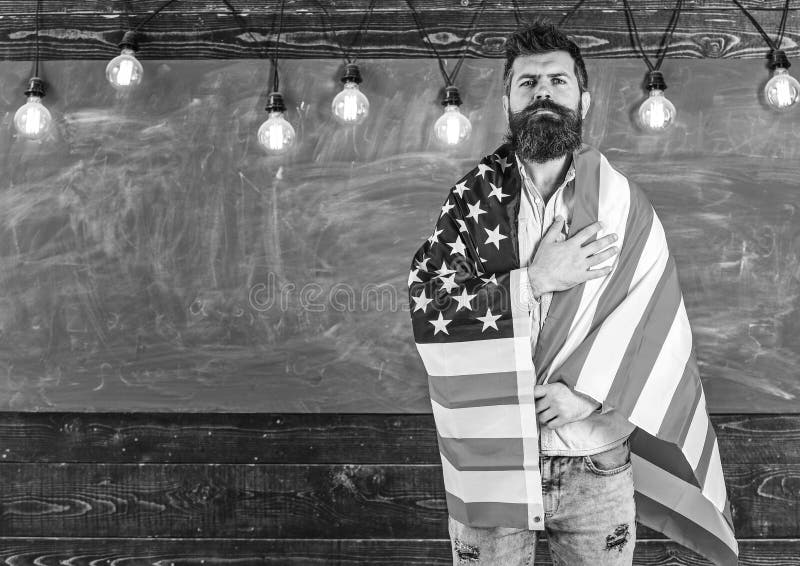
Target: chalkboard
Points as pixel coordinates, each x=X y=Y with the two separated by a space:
x=152 y=257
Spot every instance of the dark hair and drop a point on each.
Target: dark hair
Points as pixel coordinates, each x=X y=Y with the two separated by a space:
x=542 y=36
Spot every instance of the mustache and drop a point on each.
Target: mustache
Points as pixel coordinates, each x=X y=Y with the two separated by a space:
x=544 y=104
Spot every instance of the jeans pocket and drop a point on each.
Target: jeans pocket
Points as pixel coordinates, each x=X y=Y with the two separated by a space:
x=610 y=462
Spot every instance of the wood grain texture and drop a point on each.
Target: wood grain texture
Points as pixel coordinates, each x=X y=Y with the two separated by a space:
x=297 y=500
x=389 y=552
x=305 y=438
x=92 y=30
x=153 y=259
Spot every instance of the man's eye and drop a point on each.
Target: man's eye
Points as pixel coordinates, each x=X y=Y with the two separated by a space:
x=562 y=81
x=529 y=82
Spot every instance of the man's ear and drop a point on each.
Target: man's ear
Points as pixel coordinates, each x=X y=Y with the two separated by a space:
x=586 y=100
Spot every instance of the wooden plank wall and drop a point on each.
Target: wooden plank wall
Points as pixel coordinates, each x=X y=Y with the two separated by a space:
x=159 y=488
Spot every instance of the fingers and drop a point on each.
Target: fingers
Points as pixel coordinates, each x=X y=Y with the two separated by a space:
x=581 y=236
x=554 y=231
x=599 y=244
x=595 y=273
x=547 y=415
x=600 y=257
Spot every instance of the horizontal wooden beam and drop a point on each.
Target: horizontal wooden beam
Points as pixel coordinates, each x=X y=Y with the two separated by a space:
x=200 y=30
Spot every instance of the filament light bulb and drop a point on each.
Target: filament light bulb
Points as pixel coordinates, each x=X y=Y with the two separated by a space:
x=452 y=127
x=782 y=91
x=276 y=135
x=124 y=71
x=32 y=120
x=657 y=113
x=350 y=106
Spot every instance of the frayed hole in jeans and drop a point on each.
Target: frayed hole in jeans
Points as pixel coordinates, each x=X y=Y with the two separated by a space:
x=466 y=552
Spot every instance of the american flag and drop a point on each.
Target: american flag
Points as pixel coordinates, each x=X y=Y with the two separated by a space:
x=623 y=339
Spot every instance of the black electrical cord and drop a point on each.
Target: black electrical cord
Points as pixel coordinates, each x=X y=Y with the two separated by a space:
x=154 y=14
x=449 y=78
x=665 y=40
x=348 y=58
x=275 y=81
x=243 y=25
x=36 y=39
x=568 y=15
x=782 y=27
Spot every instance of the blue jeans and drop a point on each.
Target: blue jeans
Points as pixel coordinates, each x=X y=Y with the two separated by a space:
x=590 y=517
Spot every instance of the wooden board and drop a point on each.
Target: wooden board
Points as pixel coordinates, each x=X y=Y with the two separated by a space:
x=92 y=30
x=153 y=259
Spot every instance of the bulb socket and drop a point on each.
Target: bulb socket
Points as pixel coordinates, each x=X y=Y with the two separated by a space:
x=275 y=103
x=655 y=80
x=778 y=59
x=35 y=87
x=129 y=41
x=351 y=74
x=451 y=96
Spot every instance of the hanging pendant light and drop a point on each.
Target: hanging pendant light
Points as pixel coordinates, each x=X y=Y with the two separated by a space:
x=124 y=72
x=32 y=120
x=276 y=135
x=452 y=127
x=350 y=106
x=782 y=91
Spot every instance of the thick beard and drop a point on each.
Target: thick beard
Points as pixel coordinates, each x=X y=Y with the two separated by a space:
x=545 y=137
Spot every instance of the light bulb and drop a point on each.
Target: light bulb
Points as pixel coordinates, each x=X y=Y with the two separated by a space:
x=452 y=127
x=782 y=91
x=276 y=135
x=656 y=113
x=124 y=71
x=32 y=120
x=350 y=106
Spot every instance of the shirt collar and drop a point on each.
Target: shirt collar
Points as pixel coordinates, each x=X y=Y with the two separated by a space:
x=527 y=180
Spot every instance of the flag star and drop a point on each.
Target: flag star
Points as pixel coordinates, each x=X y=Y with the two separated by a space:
x=446 y=208
x=464 y=299
x=421 y=302
x=475 y=211
x=494 y=237
x=449 y=283
x=462 y=226
x=460 y=188
x=489 y=321
x=444 y=270
x=503 y=163
x=482 y=170
x=440 y=324
x=412 y=277
x=423 y=264
x=434 y=239
x=491 y=279
x=497 y=192
x=458 y=246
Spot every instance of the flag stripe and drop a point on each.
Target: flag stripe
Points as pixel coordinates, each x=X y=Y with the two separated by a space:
x=677 y=527
x=482 y=453
x=662 y=487
x=613 y=337
x=462 y=358
x=692 y=447
x=487 y=514
x=491 y=421
x=705 y=458
x=564 y=305
x=663 y=454
x=714 y=488
x=651 y=406
x=683 y=403
x=504 y=486
x=476 y=390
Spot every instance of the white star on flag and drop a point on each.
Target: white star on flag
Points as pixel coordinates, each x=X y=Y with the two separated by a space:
x=475 y=211
x=434 y=239
x=423 y=264
x=421 y=302
x=491 y=279
x=449 y=283
x=497 y=192
x=494 y=237
x=482 y=170
x=503 y=163
x=444 y=270
x=489 y=321
x=446 y=208
x=458 y=247
x=460 y=188
x=464 y=300
x=440 y=324
x=412 y=277
x=462 y=226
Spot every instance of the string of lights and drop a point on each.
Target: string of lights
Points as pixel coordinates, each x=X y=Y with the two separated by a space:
x=32 y=120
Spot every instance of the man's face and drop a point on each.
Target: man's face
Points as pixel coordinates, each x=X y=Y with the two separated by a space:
x=544 y=106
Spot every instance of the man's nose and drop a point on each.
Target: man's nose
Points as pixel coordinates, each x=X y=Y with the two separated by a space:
x=542 y=93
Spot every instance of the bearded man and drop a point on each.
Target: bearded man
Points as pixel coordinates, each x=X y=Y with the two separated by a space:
x=547 y=312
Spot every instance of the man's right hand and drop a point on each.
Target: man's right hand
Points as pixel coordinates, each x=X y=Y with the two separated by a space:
x=560 y=263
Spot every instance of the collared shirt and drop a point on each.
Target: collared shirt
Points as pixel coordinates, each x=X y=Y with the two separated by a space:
x=599 y=431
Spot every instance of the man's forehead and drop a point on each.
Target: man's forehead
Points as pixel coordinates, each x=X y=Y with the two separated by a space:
x=544 y=63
